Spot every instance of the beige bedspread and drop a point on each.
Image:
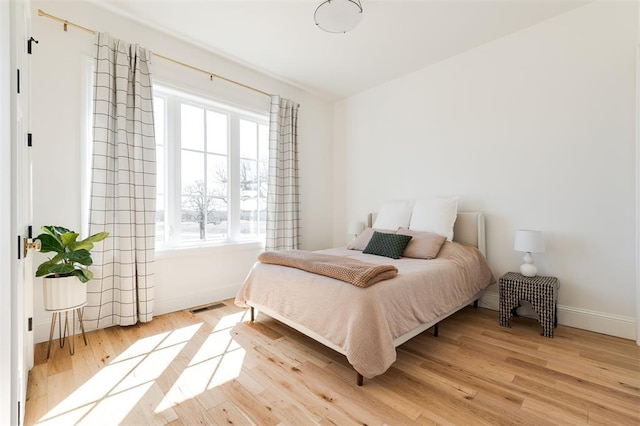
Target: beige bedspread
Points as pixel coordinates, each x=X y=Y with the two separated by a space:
x=364 y=322
x=342 y=268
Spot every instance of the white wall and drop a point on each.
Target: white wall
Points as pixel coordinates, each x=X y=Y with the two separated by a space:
x=183 y=278
x=537 y=130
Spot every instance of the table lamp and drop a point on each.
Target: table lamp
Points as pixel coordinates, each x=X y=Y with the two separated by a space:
x=529 y=242
x=355 y=228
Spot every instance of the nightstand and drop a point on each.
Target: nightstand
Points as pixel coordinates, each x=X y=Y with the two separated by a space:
x=541 y=292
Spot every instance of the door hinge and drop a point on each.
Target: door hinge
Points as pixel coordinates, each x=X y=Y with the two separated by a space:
x=30 y=231
x=19 y=413
x=29 y=139
x=18 y=82
x=19 y=247
x=30 y=324
x=29 y=44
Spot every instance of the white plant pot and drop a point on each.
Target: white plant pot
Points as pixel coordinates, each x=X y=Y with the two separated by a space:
x=63 y=294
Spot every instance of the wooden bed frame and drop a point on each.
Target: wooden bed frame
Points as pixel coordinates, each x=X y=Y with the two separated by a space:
x=468 y=229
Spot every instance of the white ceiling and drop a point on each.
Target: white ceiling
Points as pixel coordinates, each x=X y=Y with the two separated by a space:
x=395 y=37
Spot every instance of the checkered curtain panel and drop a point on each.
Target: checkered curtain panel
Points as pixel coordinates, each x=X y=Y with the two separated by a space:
x=123 y=187
x=283 y=205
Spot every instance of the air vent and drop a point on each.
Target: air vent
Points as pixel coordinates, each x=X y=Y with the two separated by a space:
x=207 y=308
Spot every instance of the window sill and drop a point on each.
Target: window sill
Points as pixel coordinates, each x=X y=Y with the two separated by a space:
x=196 y=250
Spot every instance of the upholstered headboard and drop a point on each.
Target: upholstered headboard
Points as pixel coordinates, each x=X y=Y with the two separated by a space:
x=468 y=229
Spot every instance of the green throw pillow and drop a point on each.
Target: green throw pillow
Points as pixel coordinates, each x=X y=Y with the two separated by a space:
x=389 y=245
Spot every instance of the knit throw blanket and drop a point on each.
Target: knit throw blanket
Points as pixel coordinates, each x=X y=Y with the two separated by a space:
x=356 y=272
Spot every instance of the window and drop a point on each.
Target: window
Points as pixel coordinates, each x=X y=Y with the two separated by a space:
x=212 y=162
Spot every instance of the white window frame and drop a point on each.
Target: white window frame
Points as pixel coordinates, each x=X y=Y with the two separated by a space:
x=173 y=191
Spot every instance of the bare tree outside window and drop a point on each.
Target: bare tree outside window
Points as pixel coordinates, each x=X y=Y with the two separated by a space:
x=202 y=206
x=208 y=205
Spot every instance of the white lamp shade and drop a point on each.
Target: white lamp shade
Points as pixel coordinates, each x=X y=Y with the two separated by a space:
x=529 y=241
x=338 y=16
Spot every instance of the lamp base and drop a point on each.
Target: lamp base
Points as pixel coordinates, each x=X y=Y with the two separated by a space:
x=528 y=270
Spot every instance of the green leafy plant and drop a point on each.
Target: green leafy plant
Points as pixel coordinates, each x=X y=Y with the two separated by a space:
x=73 y=257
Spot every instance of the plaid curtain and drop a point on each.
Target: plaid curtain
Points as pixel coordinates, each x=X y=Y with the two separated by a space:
x=123 y=187
x=283 y=204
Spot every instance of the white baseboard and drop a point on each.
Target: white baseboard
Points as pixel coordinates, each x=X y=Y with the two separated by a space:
x=585 y=319
x=599 y=322
x=490 y=300
x=161 y=306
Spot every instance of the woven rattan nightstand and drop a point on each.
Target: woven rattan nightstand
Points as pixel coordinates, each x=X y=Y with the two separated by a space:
x=541 y=292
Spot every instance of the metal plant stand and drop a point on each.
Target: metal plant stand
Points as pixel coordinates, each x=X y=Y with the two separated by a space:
x=63 y=332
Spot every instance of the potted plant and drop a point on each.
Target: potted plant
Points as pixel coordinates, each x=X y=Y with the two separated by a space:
x=66 y=273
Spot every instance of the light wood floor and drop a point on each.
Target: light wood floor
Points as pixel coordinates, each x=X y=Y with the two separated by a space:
x=216 y=368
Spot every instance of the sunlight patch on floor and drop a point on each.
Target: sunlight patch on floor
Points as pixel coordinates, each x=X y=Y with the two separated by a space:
x=228 y=368
x=217 y=343
x=112 y=392
x=218 y=361
x=70 y=417
x=141 y=347
x=113 y=408
x=229 y=321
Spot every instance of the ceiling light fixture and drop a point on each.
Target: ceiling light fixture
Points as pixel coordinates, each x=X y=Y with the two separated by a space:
x=338 y=16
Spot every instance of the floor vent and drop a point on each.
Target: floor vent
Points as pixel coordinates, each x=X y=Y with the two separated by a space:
x=206 y=308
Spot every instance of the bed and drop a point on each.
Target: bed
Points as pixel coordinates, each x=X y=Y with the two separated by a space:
x=367 y=324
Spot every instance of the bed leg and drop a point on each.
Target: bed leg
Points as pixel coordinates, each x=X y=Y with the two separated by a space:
x=252 y=314
x=475 y=304
x=360 y=379
x=435 y=330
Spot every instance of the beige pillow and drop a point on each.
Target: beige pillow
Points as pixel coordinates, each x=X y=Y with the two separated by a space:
x=423 y=245
x=361 y=242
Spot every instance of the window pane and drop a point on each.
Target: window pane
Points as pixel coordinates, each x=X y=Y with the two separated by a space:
x=263 y=142
x=216 y=132
x=217 y=224
x=192 y=169
x=248 y=178
x=217 y=185
x=248 y=197
x=262 y=179
x=160 y=218
x=194 y=196
x=217 y=176
x=159 y=128
x=192 y=218
x=263 y=168
x=160 y=191
x=191 y=127
x=160 y=170
x=158 y=120
x=248 y=140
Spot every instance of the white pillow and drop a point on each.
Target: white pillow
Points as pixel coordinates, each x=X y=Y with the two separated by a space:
x=435 y=215
x=393 y=215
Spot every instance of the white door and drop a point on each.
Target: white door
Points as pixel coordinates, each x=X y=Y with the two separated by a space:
x=21 y=266
x=7 y=240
